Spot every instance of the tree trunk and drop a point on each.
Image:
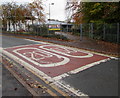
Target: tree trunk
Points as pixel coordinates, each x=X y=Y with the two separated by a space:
x=19 y=25
x=25 y=25
x=16 y=26
x=8 y=25
x=13 y=26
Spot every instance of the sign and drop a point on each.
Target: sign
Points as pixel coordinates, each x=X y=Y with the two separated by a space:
x=54 y=27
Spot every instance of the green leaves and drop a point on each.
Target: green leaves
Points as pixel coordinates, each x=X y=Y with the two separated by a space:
x=103 y=12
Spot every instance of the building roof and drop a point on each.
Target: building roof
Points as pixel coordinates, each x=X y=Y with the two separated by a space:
x=52 y=21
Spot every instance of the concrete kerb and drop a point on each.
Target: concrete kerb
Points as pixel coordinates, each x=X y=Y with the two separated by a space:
x=41 y=75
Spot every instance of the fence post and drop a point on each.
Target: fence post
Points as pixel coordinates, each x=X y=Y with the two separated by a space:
x=92 y=30
x=60 y=28
x=104 y=31
x=81 y=32
x=48 y=29
x=89 y=30
x=67 y=27
x=118 y=33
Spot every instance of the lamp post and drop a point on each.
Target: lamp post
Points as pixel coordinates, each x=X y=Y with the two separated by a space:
x=49 y=15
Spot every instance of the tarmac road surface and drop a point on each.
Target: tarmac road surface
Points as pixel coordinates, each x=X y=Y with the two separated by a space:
x=81 y=72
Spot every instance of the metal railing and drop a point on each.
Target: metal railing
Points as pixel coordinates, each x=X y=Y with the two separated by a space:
x=98 y=31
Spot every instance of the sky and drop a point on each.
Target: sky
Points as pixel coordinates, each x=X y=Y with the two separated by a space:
x=57 y=11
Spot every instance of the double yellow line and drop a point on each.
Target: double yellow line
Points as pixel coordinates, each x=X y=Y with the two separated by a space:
x=52 y=86
x=48 y=90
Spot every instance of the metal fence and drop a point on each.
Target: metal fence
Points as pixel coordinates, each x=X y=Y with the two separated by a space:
x=98 y=31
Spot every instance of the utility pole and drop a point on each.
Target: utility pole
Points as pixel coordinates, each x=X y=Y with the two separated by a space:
x=49 y=15
x=81 y=32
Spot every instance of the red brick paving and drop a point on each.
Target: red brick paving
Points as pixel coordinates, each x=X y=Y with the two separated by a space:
x=53 y=71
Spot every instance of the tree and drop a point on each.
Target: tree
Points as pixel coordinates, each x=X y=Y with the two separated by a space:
x=6 y=16
x=37 y=10
x=95 y=12
x=14 y=14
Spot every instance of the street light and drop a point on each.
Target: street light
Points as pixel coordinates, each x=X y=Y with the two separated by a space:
x=49 y=15
x=49 y=9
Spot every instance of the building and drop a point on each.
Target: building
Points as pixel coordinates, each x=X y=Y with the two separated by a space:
x=59 y=25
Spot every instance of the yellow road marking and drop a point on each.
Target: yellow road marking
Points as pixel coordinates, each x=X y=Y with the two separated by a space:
x=22 y=82
x=29 y=89
x=54 y=87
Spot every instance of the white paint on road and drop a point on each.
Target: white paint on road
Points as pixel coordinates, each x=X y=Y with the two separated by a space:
x=45 y=76
x=50 y=64
x=67 y=51
x=74 y=48
x=57 y=80
x=80 y=69
x=67 y=87
x=87 y=66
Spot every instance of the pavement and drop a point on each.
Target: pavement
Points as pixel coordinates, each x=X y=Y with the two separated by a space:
x=98 y=80
x=11 y=86
x=91 y=44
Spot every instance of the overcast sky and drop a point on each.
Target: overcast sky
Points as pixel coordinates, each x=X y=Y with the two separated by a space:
x=57 y=11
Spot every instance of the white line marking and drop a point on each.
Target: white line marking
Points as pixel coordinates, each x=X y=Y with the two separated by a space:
x=79 y=69
x=64 y=46
x=67 y=51
x=45 y=76
x=75 y=48
x=1 y=49
x=66 y=60
x=42 y=74
x=87 y=66
x=20 y=46
x=35 y=41
x=67 y=87
x=27 y=65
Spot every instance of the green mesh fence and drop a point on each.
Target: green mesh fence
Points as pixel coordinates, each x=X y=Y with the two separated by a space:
x=97 y=31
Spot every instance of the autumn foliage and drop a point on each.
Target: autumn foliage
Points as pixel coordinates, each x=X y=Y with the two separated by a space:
x=96 y=12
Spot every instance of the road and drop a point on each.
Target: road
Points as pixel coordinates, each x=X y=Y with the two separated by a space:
x=82 y=73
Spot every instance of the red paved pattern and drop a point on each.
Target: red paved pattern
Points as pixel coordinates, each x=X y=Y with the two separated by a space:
x=54 y=60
